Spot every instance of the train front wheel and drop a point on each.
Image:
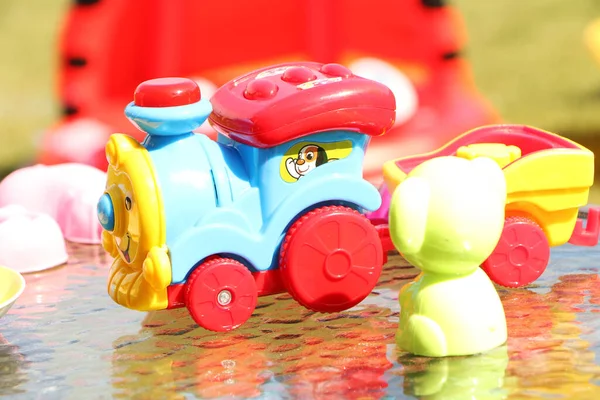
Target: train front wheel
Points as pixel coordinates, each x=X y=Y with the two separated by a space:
x=521 y=255
x=221 y=294
x=331 y=259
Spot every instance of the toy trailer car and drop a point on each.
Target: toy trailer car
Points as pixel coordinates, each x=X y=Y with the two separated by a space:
x=548 y=179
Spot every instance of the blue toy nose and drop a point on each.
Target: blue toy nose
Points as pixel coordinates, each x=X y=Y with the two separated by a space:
x=106 y=212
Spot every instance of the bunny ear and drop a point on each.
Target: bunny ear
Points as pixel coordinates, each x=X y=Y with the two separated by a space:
x=409 y=208
x=492 y=175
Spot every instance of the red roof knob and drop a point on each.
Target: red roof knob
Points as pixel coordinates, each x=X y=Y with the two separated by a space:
x=166 y=92
x=298 y=75
x=260 y=89
x=336 y=70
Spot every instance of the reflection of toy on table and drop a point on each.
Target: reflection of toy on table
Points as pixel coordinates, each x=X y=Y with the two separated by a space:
x=50 y=285
x=264 y=227
x=350 y=365
x=548 y=179
x=478 y=376
x=322 y=356
x=417 y=39
x=446 y=218
x=551 y=343
x=208 y=367
x=14 y=366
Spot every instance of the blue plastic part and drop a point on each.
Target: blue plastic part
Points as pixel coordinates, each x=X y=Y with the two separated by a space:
x=225 y=197
x=106 y=213
x=191 y=187
x=169 y=121
x=241 y=216
x=221 y=232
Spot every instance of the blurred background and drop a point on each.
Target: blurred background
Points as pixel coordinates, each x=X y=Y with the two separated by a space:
x=534 y=61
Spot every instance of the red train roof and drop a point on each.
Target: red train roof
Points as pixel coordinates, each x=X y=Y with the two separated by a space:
x=280 y=103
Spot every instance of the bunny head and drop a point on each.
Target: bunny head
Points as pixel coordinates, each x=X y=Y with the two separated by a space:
x=448 y=215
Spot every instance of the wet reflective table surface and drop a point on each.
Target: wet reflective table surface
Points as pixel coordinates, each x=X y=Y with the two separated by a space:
x=66 y=339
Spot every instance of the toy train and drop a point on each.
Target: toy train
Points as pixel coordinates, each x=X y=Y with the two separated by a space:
x=275 y=204
x=278 y=202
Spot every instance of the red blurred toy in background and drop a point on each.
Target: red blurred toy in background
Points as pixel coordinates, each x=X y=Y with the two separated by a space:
x=414 y=46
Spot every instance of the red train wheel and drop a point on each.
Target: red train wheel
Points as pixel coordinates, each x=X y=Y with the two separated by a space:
x=331 y=259
x=220 y=294
x=521 y=255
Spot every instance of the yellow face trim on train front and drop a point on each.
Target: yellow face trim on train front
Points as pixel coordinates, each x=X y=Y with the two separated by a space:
x=141 y=271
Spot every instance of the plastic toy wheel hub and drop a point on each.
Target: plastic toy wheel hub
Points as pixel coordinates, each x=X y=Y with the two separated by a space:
x=221 y=294
x=331 y=259
x=224 y=297
x=338 y=264
x=521 y=255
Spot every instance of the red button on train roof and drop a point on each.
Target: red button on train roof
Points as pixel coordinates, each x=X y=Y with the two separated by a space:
x=166 y=92
x=280 y=103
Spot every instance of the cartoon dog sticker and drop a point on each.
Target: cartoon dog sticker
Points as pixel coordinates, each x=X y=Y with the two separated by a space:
x=309 y=157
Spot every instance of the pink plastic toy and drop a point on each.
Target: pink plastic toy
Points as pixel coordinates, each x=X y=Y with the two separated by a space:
x=66 y=192
x=30 y=241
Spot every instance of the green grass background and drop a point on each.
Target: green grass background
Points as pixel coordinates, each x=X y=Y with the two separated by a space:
x=28 y=63
x=528 y=59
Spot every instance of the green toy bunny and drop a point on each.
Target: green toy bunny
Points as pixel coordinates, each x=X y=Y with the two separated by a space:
x=446 y=218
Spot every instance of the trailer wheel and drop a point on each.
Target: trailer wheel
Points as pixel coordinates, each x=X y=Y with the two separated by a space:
x=331 y=259
x=521 y=255
x=220 y=294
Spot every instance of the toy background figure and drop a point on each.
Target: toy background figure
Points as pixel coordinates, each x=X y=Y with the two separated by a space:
x=412 y=46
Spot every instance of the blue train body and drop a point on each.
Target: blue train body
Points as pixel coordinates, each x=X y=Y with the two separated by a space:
x=246 y=214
